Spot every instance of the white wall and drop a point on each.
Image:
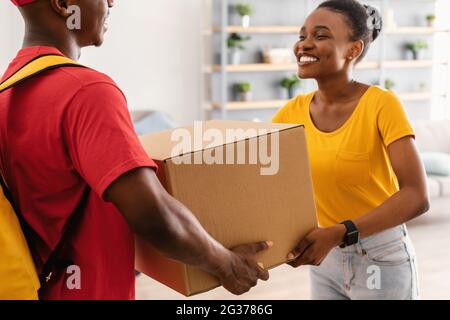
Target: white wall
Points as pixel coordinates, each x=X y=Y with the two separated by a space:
x=152 y=50
x=11 y=32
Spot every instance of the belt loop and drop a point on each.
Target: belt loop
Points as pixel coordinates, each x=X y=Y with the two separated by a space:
x=405 y=232
x=358 y=247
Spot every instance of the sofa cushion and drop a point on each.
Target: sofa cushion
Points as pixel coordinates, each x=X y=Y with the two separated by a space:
x=436 y=163
x=432 y=136
x=434 y=188
x=152 y=121
x=444 y=185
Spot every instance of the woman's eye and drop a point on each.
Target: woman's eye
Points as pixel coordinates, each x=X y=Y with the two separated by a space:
x=322 y=37
x=302 y=38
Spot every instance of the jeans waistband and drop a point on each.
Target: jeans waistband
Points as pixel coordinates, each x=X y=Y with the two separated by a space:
x=386 y=236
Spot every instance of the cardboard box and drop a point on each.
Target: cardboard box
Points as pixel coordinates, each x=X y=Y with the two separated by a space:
x=268 y=196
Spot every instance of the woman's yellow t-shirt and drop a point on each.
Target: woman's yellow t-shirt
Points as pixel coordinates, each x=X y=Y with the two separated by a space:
x=350 y=167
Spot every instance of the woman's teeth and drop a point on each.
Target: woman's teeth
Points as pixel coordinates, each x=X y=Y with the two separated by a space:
x=306 y=59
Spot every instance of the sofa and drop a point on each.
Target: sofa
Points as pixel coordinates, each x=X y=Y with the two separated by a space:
x=151 y=121
x=434 y=136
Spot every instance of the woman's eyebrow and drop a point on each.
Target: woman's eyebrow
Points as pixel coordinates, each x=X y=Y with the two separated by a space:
x=303 y=29
x=322 y=27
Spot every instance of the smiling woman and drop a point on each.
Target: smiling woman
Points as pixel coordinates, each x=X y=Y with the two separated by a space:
x=365 y=25
x=368 y=178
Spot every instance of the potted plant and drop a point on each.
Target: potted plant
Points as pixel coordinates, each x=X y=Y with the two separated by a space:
x=235 y=45
x=291 y=83
x=416 y=48
x=244 y=91
x=389 y=84
x=431 y=18
x=245 y=11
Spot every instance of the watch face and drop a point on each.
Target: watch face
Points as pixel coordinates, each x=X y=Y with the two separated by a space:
x=352 y=238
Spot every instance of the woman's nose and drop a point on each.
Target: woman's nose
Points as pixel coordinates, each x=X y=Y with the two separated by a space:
x=306 y=44
x=301 y=46
x=296 y=47
x=110 y=3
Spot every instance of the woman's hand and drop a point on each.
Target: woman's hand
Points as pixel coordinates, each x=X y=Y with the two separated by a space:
x=314 y=248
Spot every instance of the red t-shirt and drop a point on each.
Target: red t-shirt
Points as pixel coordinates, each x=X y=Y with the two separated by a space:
x=64 y=134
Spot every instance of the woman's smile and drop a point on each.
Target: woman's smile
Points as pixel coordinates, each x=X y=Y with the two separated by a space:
x=304 y=60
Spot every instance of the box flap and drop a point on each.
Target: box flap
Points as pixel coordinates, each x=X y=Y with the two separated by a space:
x=167 y=144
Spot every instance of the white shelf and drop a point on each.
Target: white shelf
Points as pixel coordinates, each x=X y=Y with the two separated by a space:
x=415 y=30
x=261 y=29
x=249 y=105
x=273 y=104
x=406 y=30
x=267 y=67
x=405 y=64
x=256 y=67
x=419 y=96
x=378 y=63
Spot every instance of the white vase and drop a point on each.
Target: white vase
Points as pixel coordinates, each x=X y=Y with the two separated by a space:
x=234 y=57
x=245 y=96
x=419 y=55
x=409 y=55
x=389 y=20
x=245 y=21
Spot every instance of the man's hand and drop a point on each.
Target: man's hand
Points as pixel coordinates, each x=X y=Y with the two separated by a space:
x=314 y=248
x=174 y=231
x=243 y=272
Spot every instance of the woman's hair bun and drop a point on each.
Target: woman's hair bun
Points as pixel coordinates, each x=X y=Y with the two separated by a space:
x=374 y=21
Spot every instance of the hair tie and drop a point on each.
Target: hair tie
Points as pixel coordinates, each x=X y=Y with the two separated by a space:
x=374 y=21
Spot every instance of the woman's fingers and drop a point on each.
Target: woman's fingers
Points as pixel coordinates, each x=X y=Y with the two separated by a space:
x=299 y=249
x=306 y=258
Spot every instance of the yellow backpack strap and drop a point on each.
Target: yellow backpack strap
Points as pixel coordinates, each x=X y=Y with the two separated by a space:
x=5 y=188
x=35 y=67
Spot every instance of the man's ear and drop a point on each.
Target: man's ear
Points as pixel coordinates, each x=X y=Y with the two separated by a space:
x=61 y=7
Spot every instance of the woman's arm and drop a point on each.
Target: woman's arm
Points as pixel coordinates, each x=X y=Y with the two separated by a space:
x=408 y=203
x=412 y=199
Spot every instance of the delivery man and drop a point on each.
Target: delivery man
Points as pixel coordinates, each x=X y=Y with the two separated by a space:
x=77 y=171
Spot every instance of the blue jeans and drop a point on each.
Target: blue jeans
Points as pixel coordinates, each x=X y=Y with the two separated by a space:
x=382 y=266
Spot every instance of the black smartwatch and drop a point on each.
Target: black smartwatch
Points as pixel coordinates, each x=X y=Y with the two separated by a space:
x=351 y=235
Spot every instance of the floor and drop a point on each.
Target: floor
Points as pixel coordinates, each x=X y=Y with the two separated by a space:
x=430 y=235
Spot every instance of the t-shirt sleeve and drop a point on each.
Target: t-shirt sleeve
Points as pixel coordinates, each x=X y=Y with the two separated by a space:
x=280 y=116
x=100 y=136
x=393 y=123
x=284 y=115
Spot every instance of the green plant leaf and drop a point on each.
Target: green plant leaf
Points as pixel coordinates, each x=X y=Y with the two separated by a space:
x=290 y=82
x=244 y=9
x=243 y=87
x=235 y=41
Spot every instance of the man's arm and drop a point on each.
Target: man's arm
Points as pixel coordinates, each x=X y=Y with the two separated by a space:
x=174 y=231
x=100 y=136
